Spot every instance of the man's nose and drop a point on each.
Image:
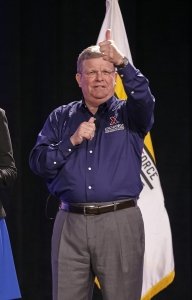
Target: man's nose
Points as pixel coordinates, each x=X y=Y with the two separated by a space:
x=99 y=75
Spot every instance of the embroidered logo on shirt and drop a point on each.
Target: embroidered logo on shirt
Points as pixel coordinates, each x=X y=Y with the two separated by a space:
x=114 y=128
x=113 y=121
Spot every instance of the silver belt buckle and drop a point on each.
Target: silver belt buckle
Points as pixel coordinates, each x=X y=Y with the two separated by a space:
x=84 y=210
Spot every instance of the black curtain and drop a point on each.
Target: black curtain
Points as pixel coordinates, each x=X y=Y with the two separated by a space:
x=39 y=44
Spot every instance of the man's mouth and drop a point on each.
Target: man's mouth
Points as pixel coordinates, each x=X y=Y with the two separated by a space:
x=99 y=86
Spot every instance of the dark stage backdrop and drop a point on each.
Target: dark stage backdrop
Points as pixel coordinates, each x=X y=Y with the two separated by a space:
x=39 y=44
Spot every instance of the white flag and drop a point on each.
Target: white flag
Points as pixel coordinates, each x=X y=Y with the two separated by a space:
x=158 y=259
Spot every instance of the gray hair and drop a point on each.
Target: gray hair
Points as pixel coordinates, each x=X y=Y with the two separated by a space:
x=88 y=53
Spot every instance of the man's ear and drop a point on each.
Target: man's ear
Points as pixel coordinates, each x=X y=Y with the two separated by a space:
x=78 y=78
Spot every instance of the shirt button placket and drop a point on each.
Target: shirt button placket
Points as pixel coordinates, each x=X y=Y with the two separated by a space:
x=89 y=172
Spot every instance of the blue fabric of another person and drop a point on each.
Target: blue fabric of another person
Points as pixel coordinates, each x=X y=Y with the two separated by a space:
x=9 y=288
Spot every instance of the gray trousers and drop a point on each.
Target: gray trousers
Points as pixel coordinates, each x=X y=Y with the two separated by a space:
x=109 y=246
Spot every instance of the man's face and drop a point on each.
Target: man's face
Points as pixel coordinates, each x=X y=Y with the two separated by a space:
x=97 y=81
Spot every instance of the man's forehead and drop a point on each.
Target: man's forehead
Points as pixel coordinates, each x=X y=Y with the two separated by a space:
x=98 y=61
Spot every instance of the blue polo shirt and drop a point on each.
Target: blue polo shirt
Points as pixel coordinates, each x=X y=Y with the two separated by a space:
x=107 y=168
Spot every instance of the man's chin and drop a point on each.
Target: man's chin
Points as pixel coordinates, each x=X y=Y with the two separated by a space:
x=100 y=95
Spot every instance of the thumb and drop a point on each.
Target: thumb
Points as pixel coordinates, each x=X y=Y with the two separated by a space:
x=91 y=120
x=108 y=34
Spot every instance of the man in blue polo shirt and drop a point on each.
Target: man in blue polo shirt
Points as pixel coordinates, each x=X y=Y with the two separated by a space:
x=89 y=153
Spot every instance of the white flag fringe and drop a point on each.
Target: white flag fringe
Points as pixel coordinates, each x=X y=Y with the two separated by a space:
x=158 y=259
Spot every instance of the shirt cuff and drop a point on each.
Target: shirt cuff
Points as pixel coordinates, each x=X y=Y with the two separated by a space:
x=66 y=147
x=129 y=71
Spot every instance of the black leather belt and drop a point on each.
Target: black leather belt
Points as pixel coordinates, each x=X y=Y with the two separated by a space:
x=96 y=209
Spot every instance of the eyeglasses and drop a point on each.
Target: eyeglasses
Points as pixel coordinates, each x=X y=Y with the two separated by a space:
x=104 y=73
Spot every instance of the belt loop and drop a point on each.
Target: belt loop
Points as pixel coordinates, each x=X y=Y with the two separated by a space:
x=115 y=205
x=84 y=210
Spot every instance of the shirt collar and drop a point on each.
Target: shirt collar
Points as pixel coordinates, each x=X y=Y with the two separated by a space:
x=106 y=105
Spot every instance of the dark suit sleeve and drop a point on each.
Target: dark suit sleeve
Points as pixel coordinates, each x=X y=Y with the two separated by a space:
x=8 y=171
